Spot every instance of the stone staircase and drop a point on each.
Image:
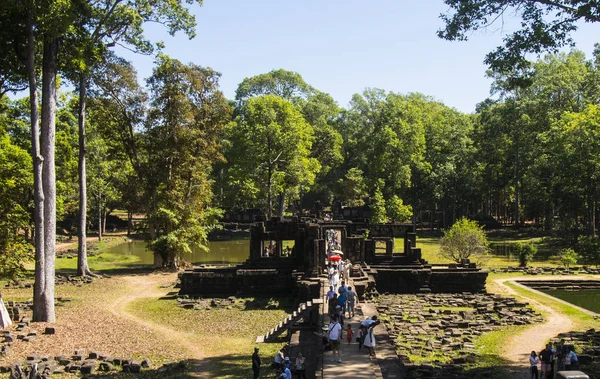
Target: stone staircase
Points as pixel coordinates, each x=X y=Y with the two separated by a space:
x=301 y=313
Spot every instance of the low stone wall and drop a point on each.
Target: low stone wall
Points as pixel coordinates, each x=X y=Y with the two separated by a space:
x=241 y=280
x=406 y=279
x=235 y=280
x=570 y=285
x=457 y=280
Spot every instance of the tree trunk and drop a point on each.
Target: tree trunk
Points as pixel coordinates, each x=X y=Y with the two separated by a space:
x=99 y=218
x=281 y=204
x=129 y=223
x=38 y=193
x=104 y=214
x=269 y=194
x=48 y=128
x=517 y=190
x=82 y=264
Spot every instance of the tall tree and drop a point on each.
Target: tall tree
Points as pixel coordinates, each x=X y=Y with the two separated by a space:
x=188 y=113
x=270 y=147
x=546 y=26
x=98 y=27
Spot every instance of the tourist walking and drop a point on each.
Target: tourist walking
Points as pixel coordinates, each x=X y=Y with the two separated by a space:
x=330 y=293
x=335 y=334
x=533 y=365
x=350 y=299
x=349 y=334
x=255 y=363
x=342 y=300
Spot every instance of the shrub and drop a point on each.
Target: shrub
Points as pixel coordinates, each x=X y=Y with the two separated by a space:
x=568 y=257
x=589 y=248
x=465 y=239
x=525 y=252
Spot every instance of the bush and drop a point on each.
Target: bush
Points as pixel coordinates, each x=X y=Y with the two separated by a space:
x=589 y=248
x=568 y=257
x=525 y=252
x=465 y=239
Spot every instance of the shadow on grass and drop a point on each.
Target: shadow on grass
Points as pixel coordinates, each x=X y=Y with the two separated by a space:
x=223 y=367
x=499 y=369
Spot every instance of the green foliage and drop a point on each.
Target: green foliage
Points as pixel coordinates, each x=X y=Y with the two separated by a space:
x=288 y=85
x=352 y=188
x=270 y=149
x=525 y=252
x=397 y=210
x=187 y=116
x=464 y=240
x=378 y=212
x=589 y=248
x=16 y=181
x=545 y=26
x=568 y=257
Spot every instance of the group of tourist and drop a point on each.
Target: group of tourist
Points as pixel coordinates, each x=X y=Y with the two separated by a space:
x=341 y=301
x=337 y=272
x=561 y=357
x=365 y=336
x=333 y=243
x=282 y=364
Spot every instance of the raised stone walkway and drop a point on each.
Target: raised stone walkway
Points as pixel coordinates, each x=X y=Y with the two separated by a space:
x=355 y=364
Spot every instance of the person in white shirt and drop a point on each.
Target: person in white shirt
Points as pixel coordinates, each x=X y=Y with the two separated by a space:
x=533 y=363
x=335 y=336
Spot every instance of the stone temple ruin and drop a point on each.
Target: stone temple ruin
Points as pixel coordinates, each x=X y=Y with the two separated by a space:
x=297 y=271
x=289 y=258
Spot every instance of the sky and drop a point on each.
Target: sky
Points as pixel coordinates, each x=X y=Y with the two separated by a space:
x=341 y=47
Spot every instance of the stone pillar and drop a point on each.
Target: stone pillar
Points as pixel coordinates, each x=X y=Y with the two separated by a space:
x=256 y=233
x=370 y=251
x=389 y=248
x=412 y=238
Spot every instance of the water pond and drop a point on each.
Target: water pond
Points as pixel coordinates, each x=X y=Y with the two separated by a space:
x=588 y=299
x=235 y=251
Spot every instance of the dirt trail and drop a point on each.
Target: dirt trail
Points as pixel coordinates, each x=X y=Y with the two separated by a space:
x=520 y=345
x=61 y=246
x=148 y=286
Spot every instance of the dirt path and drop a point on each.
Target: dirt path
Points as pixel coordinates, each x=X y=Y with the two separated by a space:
x=61 y=246
x=148 y=287
x=520 y=345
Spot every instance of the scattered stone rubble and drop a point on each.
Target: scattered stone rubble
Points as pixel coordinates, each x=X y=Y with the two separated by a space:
x=59 y=279
x=444 y=326
x=549 y=270
x=79 y=362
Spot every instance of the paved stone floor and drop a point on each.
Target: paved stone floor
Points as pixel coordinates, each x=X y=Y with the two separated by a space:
x=355 y=364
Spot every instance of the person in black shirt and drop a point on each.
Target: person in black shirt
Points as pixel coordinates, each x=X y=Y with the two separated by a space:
x=256 y=363
x=546 y=357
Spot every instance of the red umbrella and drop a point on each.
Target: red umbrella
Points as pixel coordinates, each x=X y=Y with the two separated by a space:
x=335 y=258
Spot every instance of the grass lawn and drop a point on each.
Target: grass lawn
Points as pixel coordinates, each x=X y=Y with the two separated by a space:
x=499 y=240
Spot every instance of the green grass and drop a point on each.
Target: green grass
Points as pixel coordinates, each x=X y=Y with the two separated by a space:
x=227 y=336
x=429 y=244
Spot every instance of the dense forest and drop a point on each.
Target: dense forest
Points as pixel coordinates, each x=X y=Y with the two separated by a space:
x=176 y=150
